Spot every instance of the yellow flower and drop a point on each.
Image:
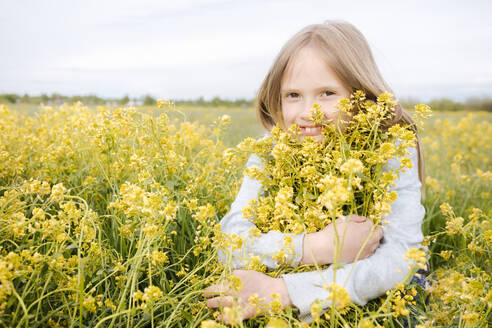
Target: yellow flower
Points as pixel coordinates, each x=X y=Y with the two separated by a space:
x=352 y=166
x=109 y=304
x=234 y=314
x=316 y=310
x=446 y=254
x=446 y=209
x=163 y=102
x=454 y=226
x=487 y=236
x=386 y=97
x=365 y=323
x=152 y=294
x=275 y=306
x=387 y=150
x=317 y=116
x=89 y=303
x=406 y=162
x=339 y=297
x=416 y=257
x=204 y=213
x=280 y=256
x=432 y=183
x=257 y=303
x=254 y=263
x=235 y=283
x=471 y=318
x=58 y=192
x=225 y=119
x=423 y=110
x=208 y=324
x=150 y=229
x=159 y=257
x=473 y=247
x=277 y=323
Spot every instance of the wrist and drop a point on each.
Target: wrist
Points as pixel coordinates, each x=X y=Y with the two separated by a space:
x=281 y=289
x=317 y=249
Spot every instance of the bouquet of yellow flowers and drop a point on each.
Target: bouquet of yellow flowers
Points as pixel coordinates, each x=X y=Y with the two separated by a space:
x=307 y=184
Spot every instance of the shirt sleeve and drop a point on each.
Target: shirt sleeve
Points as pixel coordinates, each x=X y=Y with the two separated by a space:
x=266 y=245
x=371 y=277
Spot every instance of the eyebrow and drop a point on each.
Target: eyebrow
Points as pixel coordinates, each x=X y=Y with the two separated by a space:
x=317 y=89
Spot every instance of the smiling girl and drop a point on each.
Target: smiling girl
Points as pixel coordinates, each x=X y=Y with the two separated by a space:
x=322 y=64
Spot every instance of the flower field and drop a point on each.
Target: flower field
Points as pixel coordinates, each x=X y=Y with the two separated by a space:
x=109 y=218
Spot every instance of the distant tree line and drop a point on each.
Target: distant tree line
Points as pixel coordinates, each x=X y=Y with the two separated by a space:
x=54 y=98
x=146 y=100
x=216 y=102
x=448 y=105
x=441 y=104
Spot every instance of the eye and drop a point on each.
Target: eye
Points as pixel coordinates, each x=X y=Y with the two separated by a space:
x=292 y=95
x=328 y=93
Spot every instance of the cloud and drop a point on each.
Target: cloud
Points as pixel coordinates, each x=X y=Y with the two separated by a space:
x=218 y=47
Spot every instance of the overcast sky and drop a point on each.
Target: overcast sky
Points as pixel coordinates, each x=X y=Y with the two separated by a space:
x=187 y=49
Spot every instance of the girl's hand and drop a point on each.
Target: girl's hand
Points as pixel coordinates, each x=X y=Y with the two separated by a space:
x=319 y=247
x=253 y=282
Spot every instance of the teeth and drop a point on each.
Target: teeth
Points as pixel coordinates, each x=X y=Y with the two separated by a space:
x=311 y=130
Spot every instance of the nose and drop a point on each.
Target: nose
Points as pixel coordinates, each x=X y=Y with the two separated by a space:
x=305 y=114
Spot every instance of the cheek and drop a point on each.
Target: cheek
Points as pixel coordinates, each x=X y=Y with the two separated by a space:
x=288 y=114
x=329 y=107
x=330 y=111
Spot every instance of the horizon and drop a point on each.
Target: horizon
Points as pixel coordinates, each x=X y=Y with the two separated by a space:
x=141 y=98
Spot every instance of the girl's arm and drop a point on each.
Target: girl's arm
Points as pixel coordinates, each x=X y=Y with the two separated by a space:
x=267 y=245
x=371 y=277
x=304 y=248
x=319 y=247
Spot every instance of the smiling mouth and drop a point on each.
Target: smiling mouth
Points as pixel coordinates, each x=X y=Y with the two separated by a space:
x=311 y=130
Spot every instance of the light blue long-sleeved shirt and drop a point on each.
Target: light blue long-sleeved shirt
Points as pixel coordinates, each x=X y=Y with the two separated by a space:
x=365 y=279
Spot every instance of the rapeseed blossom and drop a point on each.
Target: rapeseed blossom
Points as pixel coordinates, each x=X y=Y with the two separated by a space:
x=101 y=206
x=307 y=184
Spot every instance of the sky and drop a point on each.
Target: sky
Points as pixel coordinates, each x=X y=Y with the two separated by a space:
x=191 y=48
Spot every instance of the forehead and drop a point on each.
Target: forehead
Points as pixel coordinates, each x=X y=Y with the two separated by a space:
x=308 y=66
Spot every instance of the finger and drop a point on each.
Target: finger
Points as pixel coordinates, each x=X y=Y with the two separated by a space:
x=220 y=301
x=217 y=289
x=341 y=219
x=224 y=318
x=249 y=313
x=357 y=218
x=375 y=237
x=220 y=317
x=372 y=248
x=366 y=252
x=375 y=248
x=379 y=233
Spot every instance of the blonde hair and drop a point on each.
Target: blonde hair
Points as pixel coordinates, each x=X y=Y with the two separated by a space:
x=347 y=52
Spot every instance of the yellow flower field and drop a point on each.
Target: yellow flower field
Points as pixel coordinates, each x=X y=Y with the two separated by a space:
x=108 y=218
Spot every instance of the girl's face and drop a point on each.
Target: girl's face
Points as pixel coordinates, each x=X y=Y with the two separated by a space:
x=307 y=80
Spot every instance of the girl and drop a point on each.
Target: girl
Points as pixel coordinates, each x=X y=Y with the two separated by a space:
x=322 y=64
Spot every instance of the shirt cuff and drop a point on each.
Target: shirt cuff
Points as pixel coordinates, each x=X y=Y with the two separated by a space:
x=298 y=243
x=302 y=293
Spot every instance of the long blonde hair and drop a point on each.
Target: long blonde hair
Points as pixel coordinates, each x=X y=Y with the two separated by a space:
x=347 y=52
